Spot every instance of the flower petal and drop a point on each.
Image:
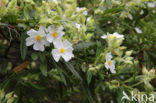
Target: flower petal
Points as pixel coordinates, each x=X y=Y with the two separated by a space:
x=112 y=64
x=60 y=33
x=60 y=28
x=42 y=30
x=51 y=28
x=30 y=41
x=106 y=65
x=49 y=38
x=67 y=44
x=104 y=36
x=112 y=70
x=108 y=56
x=56 y=54
x=118 y=35
x=45 y=42
x=58 y=43
x=32 y=32
x=38 y=46
x=69 y=50
x=67 y=57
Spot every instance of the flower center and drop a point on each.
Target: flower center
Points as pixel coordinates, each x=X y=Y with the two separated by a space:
x=54 y=34
x=62 y=50
x=112 y=36
x=38 y=38
x=109 y=63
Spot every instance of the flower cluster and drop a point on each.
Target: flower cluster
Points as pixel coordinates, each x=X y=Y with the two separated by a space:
x=44 y=36
x=116 y=35
x=110 y=64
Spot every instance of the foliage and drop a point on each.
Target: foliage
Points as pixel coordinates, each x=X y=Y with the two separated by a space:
x=29 y=76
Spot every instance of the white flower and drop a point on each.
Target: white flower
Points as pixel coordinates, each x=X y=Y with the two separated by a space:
x=78 y=26
x=88 y=19
x=130 y=16
x=110 y=64
x=138 y=30
x=109 y=22
x=117 y=35
x=153 y=11
x=85 y=13
x=151 y=5
x=142 y=12
x=78 y=9
x=55 y=1
x=38 y=38
x=62 y=49
x=54 y=33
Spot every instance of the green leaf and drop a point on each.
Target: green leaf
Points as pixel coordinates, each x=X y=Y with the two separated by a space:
x=89 y=77
x=147 y=59
x=11 y=100
x=113 y=10
x=37 y=86
x=87 y=92
x=2 y=94
x=72 y=69
x=62 y=76
x=99 y=49
x=60 y=72
x=43 y=68
x=34 y=56
x=42 y=57
x=23 y=47
x=83 y=45
x=9 y=95
x=108 y=2
x=120 y=95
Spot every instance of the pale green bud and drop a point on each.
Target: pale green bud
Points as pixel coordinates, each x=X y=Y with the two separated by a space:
x=9 y=95
x=128 y=53
x=144 y=70
x=148 y=86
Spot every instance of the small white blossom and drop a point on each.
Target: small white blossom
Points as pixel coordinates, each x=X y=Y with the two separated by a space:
x=78 y=26
x=153 y=11
x=117 y=35
x=110 y=64
x=85 y=13
x=151 y=5
x=109 y=22
x=142 y=12
x=78 y=9
x=55 y=1
x=130 y=16
x=54 y=33
x=89 y=18
x=37 y=39
x=62 y=49
x=138 y=30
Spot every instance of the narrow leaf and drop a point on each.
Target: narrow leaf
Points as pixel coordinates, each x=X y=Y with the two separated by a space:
x=43 y=68
x=23 y=46
x=71 y=68
x=89 y=77
x=62 y=76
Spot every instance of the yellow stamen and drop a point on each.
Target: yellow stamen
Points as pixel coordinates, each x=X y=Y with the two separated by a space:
x=62 y=50
x=112 y=36
x=38 y=38
x=109 y=63
x=54 y=34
